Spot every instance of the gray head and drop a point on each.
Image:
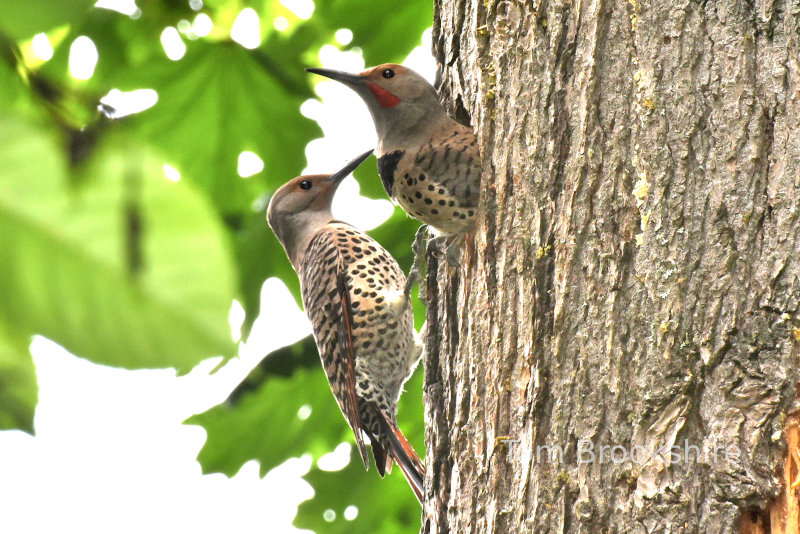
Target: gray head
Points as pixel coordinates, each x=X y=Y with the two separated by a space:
x=402 y=103
x=300 y=207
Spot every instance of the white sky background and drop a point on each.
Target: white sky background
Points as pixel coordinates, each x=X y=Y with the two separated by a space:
x=111 y=454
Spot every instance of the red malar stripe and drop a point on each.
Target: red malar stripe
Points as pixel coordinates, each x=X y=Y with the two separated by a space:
x=384 y=97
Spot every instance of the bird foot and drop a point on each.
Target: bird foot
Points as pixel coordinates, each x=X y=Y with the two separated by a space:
x=451 y=252
x=415 y=273
x=438 y=246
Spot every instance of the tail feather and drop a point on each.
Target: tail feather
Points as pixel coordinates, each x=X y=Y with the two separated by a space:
x=406 y=457
x=383 y=461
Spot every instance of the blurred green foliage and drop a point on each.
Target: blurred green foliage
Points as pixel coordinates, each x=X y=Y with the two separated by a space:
x=102 y=254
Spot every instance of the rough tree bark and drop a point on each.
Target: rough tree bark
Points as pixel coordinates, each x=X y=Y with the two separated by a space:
x=635 y=278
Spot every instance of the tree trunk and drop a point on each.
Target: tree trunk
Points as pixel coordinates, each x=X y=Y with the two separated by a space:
x=634 y=281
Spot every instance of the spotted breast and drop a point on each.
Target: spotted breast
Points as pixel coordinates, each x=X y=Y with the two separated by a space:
x=436 y=183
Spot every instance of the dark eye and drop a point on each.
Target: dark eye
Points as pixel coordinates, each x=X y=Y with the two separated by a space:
x=387 y=73
x=305 y=185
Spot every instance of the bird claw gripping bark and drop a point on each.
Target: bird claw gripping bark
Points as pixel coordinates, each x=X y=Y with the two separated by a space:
x=449 y=251
x=420 y=247
x=415 y=273
x=453 y=250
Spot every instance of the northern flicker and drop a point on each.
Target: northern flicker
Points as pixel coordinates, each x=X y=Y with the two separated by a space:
x=353 y=293
x=428 y=163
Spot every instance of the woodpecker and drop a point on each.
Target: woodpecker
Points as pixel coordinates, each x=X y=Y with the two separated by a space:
x=429 y=164
x=353 y=293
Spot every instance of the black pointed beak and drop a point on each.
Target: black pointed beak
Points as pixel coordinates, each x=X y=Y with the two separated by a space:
x=340 y=76
x=343 y=173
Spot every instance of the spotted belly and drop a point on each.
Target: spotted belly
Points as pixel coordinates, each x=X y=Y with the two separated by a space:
x=430 y=202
